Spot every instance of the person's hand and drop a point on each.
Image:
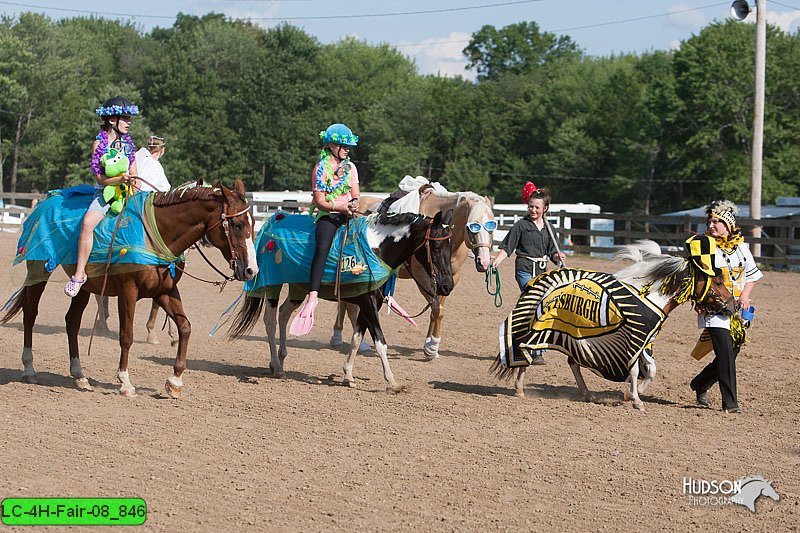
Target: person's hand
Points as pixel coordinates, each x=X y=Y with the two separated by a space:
x=744 y=302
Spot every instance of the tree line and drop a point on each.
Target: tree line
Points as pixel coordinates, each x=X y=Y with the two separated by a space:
x=647 y=133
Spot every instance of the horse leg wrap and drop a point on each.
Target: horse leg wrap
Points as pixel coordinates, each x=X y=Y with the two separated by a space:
x=431 y=347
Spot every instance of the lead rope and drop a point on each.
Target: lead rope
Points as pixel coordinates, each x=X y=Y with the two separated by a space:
x=498 y=298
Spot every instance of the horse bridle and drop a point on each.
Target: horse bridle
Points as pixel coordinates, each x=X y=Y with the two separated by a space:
x=426 y=242
x=223 y=220
x=706 y=293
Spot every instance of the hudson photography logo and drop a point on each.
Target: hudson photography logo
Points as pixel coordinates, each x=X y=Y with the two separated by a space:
x=744 y=491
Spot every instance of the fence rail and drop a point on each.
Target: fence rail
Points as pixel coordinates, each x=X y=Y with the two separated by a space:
x=780 y=238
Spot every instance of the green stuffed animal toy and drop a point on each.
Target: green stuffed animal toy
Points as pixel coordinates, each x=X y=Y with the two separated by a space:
x=115 y=164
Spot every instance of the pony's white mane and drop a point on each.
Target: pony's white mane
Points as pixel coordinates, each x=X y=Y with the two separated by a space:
x=649 y=263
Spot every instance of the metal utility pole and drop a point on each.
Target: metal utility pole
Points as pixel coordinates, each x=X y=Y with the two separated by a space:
x=758 y=121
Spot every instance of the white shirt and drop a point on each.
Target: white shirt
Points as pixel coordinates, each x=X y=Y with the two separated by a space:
x=738 y=269
x=151 y=171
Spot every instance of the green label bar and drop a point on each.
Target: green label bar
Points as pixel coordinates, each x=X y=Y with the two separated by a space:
x=73 y=511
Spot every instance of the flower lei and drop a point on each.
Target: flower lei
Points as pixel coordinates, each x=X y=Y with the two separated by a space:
x=325 y=174
x=127 y=142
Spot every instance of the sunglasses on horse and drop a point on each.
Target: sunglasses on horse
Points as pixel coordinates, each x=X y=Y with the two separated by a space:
x=489 y=225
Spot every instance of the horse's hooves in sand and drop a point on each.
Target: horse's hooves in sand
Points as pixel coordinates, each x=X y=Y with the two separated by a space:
x=397 y=389
x=173 y=342
x=276 y=374
x=639 y=406
x=128 y=393
x=519 y=393
x=172 y=390
x=152 y=339
x=83 y=384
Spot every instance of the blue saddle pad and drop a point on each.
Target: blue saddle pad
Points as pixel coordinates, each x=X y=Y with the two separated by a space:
x=285 y=248
x=50 y=234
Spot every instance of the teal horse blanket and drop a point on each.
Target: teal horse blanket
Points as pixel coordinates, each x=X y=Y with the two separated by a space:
x=50 y=234
x=285 y=248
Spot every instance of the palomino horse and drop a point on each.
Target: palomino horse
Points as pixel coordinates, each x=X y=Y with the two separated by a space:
x=473 y=224
x=182 y=216
x=394 y=239
x=604 y=322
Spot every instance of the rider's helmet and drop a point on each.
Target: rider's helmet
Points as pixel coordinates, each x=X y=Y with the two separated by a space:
x=338 y=134
x=117 y=107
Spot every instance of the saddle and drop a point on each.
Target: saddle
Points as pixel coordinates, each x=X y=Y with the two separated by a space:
x=50 y=233
x=285 y=248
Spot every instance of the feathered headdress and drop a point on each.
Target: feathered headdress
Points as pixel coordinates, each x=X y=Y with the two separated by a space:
x=726 y=211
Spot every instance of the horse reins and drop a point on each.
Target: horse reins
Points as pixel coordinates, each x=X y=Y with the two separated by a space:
x=426 y=242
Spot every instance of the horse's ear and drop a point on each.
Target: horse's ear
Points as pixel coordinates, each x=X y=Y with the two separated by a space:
x=448 y=217
x=437 y=218
x=239 y=187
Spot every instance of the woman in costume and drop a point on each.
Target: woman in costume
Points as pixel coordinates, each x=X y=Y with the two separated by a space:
x=334 y=185
x=739 y=273
x=112 y=147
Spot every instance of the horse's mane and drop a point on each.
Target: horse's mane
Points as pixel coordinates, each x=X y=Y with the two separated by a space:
x=464 y=195
x=650 y=265
x=396 y=219
x=184 y=193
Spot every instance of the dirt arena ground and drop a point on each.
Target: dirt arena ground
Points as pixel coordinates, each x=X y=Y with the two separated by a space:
x=456 y=452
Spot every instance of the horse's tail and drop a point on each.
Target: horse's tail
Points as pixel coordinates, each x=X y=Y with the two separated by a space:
x=246 y=318
x=13 y=305
x=502 y=372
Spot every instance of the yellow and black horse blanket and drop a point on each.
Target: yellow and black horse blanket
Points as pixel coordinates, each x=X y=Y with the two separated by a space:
x=600 y=322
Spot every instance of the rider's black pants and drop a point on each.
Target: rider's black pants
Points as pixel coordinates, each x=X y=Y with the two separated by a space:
x=325 y=231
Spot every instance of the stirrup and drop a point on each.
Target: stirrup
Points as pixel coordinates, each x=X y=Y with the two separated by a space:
x=73 y=287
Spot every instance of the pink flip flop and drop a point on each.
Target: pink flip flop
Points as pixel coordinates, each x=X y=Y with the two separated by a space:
x=393 y=306
x=74 y=285
x=304 y=320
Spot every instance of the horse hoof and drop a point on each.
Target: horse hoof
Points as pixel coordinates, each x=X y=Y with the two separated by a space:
x=83 y=384
x=30 y=379
x=639 y=406
x=173 y=342
x=173 y=391
x=349 y=383
x=128 y=393
x=279 y=375
x=152 y=339
x=590 y=399
x=519 y=393
x=627 y=396
x=396 y=389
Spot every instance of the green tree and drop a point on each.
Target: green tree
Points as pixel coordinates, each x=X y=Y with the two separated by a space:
x=517 y=48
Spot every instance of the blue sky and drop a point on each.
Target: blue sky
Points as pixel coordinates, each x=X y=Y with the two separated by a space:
x=433 y=34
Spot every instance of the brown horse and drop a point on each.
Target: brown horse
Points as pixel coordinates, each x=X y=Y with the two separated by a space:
x=469 y=210
x=182 y=216
x=152 y=336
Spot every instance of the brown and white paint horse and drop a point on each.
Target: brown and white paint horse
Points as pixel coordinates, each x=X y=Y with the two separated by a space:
x=468 y=208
